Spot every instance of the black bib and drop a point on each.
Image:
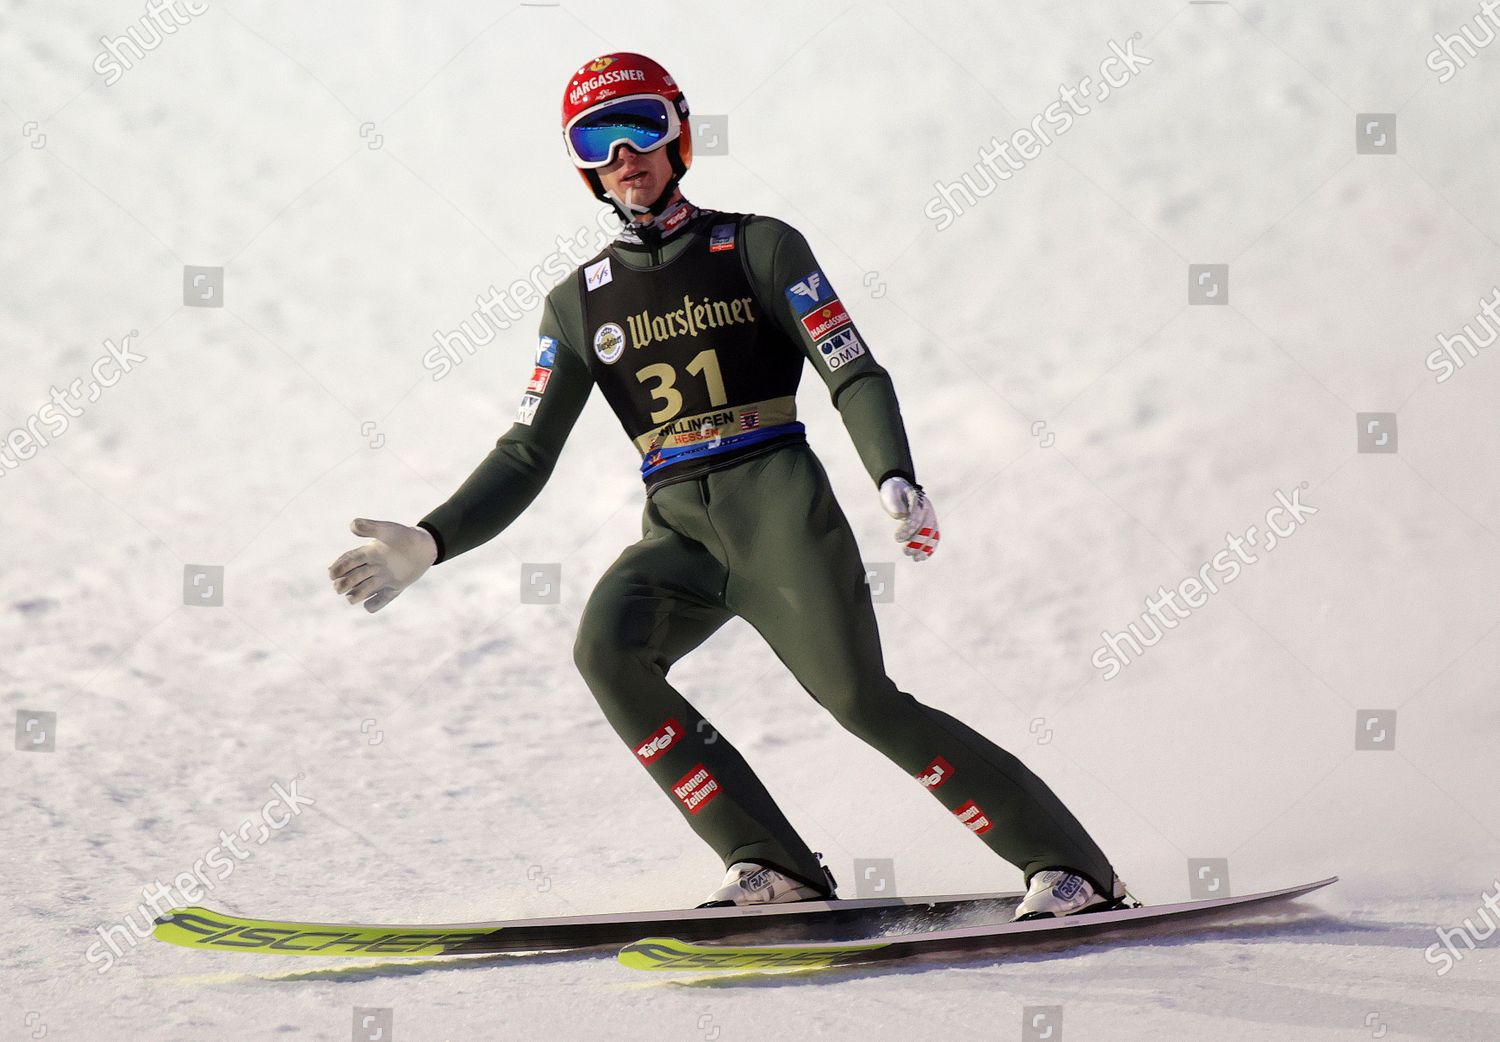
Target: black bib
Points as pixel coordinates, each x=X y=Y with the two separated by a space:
x=684 y=353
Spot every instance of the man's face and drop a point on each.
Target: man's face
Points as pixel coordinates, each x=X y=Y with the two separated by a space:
x=635 y=178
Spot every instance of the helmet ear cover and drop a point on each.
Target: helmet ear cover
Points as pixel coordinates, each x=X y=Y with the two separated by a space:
x=682 y=155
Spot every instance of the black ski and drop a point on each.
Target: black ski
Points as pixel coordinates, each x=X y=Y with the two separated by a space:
x=205 y=929
x=676 y=953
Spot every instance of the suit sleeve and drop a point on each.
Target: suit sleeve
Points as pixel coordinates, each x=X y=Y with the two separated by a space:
x=517 y=468
x=778 y=257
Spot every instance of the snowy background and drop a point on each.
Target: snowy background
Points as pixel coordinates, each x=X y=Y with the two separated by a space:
x=362 y=173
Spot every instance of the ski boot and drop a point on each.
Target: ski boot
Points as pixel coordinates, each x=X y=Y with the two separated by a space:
x=1054 y=893
x=757 y=883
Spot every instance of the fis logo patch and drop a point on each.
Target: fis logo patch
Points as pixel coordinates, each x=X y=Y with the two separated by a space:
x=527 y=412
x=936 y=773
x=546 y=351
x=809 y=293
x=721 y=238
x=599 y=274
x=841 y=348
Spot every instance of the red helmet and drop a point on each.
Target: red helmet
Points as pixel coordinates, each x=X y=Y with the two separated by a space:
x=595 y=123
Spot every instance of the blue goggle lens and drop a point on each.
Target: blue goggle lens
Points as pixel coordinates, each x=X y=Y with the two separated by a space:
x=642 y=123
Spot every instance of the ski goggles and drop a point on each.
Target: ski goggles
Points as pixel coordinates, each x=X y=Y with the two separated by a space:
x=642 y=121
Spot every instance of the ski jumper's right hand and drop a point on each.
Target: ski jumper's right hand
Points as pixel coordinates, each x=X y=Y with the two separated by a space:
x=395 y=557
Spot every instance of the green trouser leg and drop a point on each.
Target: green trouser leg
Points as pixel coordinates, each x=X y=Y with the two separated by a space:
x=659 y=600
x=780 y=554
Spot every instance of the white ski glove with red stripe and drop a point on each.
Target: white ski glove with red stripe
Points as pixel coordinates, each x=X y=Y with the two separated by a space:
x=907 y=503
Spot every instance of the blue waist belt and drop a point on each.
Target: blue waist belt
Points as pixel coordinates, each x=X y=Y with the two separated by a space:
x=658 y=458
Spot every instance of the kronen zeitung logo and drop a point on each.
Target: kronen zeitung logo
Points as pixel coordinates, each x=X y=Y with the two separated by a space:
x=689 y=320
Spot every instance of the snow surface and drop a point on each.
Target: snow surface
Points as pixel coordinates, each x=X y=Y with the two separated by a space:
x=458 y=766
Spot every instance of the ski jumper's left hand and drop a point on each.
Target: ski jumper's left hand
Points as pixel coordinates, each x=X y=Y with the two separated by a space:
x=907 y=503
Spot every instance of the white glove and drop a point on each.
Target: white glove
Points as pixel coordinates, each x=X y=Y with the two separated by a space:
x=377 y=572
x=908 y=504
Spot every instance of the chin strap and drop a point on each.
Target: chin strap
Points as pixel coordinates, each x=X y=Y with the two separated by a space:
x=630 y=214
x=638 y=214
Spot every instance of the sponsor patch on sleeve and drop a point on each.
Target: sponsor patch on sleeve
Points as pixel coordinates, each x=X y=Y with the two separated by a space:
x=809 y=292
x=546 y=351
x=721 y=238
x=825 y=319
x=841 y=348
x=527 y=412
x=539 y=377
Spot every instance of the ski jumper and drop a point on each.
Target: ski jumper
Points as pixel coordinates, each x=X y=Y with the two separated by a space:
x=697 y=339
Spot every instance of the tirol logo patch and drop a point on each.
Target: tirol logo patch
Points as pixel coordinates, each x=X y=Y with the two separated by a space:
x=673 y=219
x=807 y=294
x=936 y=773
x=696 y=789
x=539 y=377
x=598 y=274
x=826 y=319
x=973 y=818
x=841 y=348
x=659 y=741
x=609 y=343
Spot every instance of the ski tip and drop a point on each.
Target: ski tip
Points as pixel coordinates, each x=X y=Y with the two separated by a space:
x=174 y=926
x=649 y=953
x=1318 y=885
x=173 y=915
